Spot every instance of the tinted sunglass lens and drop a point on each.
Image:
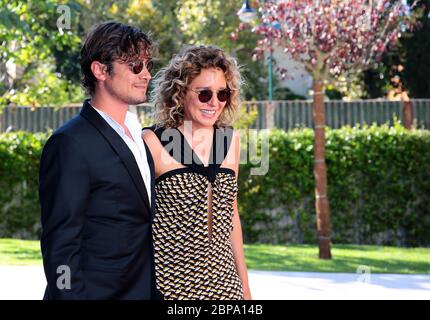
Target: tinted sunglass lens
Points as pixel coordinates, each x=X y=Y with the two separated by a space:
x=150 y=65
x=223 y=95
x=205 y=96
x=138 y=67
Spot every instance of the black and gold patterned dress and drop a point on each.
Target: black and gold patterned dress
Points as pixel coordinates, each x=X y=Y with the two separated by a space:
x=194 y=260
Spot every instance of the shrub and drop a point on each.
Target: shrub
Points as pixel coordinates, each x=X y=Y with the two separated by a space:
x=378 y=187
x=19 y=166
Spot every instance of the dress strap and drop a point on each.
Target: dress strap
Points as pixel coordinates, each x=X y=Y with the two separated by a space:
x=183 y=153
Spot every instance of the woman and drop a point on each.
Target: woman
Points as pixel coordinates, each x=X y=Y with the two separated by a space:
x=196 y=228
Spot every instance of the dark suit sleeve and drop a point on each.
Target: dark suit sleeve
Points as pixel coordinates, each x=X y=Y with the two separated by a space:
x=63 y=190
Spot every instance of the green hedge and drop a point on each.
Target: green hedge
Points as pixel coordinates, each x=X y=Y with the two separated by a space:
x=19 y=168
x=379 y=187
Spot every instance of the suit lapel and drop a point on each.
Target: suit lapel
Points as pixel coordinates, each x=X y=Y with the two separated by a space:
x=120 y=147
x=152 y=169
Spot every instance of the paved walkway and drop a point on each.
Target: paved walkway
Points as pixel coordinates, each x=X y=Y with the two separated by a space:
x=25 y=283
x=343 y=286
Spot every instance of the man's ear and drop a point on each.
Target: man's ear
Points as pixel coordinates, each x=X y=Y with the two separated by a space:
x=99 y=70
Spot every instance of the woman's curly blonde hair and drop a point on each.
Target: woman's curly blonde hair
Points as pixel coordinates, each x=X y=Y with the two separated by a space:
x=172 y=83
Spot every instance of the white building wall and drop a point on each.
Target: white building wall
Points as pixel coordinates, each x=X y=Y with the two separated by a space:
x=297 y=80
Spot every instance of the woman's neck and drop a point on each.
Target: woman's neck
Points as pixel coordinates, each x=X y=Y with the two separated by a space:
x=196 y=134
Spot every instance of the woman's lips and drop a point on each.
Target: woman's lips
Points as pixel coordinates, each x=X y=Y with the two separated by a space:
x=208 y=113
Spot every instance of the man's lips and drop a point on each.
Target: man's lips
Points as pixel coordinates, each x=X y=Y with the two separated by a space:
x=141 y=85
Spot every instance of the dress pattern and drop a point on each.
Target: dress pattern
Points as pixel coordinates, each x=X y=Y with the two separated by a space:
x=190 y=262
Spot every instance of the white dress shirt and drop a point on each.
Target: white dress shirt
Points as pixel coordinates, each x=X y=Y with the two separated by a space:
x=136 y=145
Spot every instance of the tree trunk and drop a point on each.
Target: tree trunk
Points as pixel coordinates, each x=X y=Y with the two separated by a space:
x=320 y=173
x=407 y=112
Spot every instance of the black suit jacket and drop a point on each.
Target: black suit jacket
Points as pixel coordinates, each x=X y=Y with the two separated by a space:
x=96 y=217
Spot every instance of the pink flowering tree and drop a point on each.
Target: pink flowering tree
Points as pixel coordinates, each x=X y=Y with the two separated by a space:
x=330 y=38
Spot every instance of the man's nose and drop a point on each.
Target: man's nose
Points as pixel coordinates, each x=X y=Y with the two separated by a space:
x=145 y=74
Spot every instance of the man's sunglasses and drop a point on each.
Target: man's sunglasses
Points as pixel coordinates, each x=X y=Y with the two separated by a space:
x=205 y=95
x=138 y=66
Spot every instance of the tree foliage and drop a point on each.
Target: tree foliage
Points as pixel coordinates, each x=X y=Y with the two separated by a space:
x=413 y=54
x=47 y=57
x=29 y=38
x=333 y=37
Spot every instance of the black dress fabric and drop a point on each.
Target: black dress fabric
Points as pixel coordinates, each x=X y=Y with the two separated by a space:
x=190 y=262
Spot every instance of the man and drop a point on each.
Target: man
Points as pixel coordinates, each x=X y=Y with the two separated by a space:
x=96 y=179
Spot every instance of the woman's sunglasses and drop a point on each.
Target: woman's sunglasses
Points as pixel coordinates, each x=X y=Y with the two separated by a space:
x=138 y=66
x=205 y=95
